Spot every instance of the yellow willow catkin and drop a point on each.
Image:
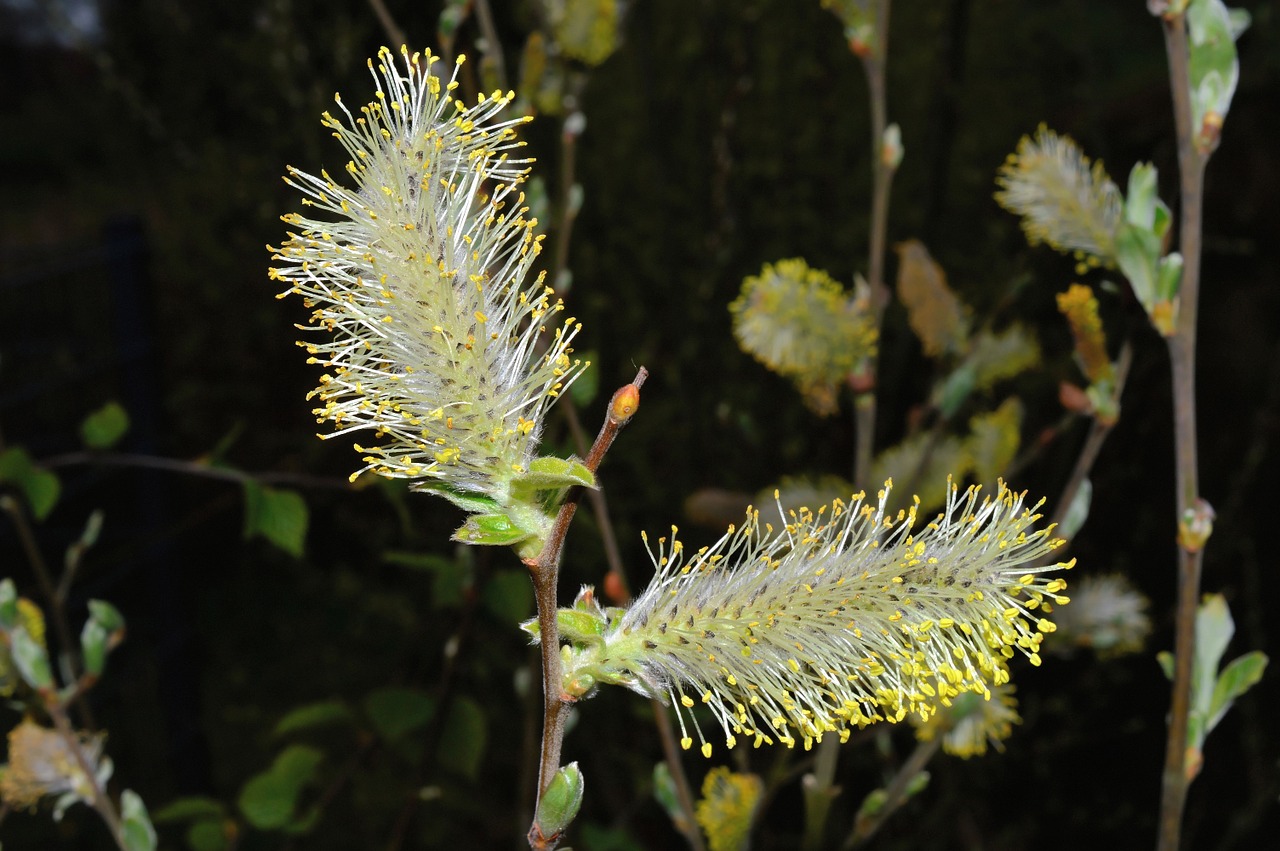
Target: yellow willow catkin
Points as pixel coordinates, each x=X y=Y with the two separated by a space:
x=426 y=324
x=844 y=617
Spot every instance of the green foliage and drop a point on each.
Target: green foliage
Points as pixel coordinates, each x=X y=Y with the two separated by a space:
x=324 y=713
x=1212 y=691
x=395 y=711
x=269 y=800
x=280 y=516
x=103 y=428
x=135 y=828
x=40 y=487
x=464 y=738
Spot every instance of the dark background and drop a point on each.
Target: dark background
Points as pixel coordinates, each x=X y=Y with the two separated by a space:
x=140 y=167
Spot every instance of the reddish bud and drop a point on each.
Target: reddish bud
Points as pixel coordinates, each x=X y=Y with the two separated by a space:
x=1074 y=399
x=615 y=589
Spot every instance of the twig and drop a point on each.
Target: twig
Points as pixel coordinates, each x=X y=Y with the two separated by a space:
x=684 y=793
x=545 y=571
x=895 y=793
x=1182 y=351
x=389 y=25
x=492 y=44
x=101 y=801
x=818 y=794
x=193 y=468
x=56 y=610
x=1098 y=431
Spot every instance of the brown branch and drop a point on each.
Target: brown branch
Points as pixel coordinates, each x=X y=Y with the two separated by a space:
x=57 y=612
x=1182 y=351
x=389 y=25
x=193 y=468
x=545 y=571
x=684 y=793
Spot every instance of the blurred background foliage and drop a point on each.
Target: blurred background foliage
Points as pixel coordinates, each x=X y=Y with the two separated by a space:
x=144 y=142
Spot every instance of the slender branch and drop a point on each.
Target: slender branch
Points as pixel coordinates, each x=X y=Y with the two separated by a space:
x=101 y=801
x=545 y=570
x=684 y=793
x=1098 y=432
x=1182 y=351
x=818 y=793
x=389 y=25
x=895 y=793
x=192 y=468
x=882 y=171
x=67 y=649
x=492 y=44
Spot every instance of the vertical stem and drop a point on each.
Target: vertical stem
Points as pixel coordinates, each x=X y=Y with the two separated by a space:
x=820 y=791
x=545 y=571
x=1182 y=351
x=881 y=179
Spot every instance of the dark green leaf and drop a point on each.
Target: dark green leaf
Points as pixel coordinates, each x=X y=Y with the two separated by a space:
x=38 y=485
x=314 y=715
x=450 y=576
x=208 y=835
x=395 y=711
x=462 y=743
x=185 y=809
x=280 y=516
x=508 y=596
x=475 y=503
x=104 y=427
x=550 y=473
x=269 y=799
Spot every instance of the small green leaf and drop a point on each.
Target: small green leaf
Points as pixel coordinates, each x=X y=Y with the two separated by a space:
x=93 y=646
x=1077 y=512
x=1240 y=675
x=104 y=427
x=321 y=714
x=550 y=473
x=1168 y=276
x=278 y=515
x=559 y=804
x=107 y=615
x=1165 y=658
x=269 y=799
x=8 y=604
x=395 y=711
x=31 y=659
x=1137 y=251
x=450 y=577
x=579 y=627
x=508 y=596
x=40 y=487
x=208 y=835
x=490 y=530
x=462 y=743
x=474 y=503
x=136 y=831
x=185 y=809
x=1140 y=200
